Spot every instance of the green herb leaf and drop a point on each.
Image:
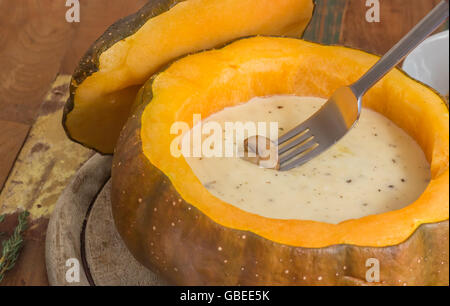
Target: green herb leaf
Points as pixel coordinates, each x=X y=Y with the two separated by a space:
x=12 y=246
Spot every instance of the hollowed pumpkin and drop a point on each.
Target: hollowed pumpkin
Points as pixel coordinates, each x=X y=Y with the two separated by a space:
x=108 y=77
x=174 y=226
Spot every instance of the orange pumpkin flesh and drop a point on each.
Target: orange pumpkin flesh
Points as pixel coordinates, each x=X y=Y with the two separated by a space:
x=106 y=82
x=163 y=212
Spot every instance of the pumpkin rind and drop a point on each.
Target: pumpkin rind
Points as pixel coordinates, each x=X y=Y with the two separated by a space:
x=177 y=240
x=97 y=123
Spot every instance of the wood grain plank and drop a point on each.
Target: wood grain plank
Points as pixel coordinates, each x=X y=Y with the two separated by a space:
x=36 y=42
x=325 y=27
x=34 y=38
x=12 y=137
x=397 y=17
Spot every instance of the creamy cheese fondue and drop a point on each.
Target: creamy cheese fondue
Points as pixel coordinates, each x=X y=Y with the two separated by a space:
x=375 y=168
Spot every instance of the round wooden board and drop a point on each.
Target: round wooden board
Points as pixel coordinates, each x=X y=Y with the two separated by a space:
x=81 y=230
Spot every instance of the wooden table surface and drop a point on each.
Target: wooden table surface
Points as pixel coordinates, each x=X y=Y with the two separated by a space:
x=37 y=45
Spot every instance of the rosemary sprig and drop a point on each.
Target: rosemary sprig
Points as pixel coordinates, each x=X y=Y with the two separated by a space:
x=12 y=246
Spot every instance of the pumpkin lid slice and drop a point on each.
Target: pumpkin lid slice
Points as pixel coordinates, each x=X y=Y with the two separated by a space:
x=208 y=82
x=108 y=77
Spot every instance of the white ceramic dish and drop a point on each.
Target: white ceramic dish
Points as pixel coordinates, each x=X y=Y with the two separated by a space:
x=429 y=62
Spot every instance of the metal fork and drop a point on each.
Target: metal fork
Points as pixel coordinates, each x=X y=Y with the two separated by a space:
x=340 y=113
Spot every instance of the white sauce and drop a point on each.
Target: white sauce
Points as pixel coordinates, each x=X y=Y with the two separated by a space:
x=375 y=168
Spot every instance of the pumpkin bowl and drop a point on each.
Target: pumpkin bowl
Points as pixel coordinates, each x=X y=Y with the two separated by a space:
x=174 y=226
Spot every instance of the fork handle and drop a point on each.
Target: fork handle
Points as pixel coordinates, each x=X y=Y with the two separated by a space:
x=432 y=21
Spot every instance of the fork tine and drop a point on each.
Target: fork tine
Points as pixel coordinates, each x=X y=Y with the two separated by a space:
x=303 y=137
x=300 y=150
x=299 y=161
x=299 y=130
